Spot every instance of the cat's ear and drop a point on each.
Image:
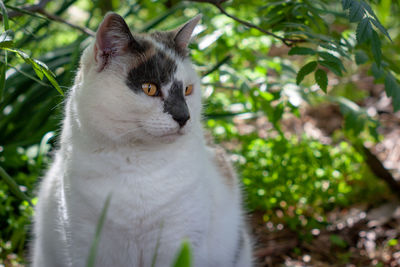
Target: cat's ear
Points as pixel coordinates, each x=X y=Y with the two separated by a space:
x=113 y=38
x=184 y=34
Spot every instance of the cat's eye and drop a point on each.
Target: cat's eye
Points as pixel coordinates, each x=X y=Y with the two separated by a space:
x=189 y=89
x=150 y=89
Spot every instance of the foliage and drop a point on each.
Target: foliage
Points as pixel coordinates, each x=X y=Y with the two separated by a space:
x=293 y=179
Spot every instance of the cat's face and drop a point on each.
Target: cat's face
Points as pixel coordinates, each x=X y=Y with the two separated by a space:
x=139 y=88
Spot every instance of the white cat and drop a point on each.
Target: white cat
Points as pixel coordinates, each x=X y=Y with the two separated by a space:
x=133 y=128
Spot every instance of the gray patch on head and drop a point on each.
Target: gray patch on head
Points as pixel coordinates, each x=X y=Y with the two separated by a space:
x=175 y=104
x=168 y=39
x=158 y=69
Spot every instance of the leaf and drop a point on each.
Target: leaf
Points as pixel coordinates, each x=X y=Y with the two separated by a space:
x=332 y=66
x=364 y=31
x=40 y=68
x=99 y=227
x=376 y=48
x=346 y=4
x=3 y=68
x=14 y=186
x=322 y=79
x=381 y=28
x=390 y=84
x=6 y=39
x=297 y=50
x=305 y=70
x=356 y=11
x=329 y=57
x=5 y=16
x=184 y=257
x=361 y=57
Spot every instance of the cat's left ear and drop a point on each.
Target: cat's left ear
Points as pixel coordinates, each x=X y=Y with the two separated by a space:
x=184 y=34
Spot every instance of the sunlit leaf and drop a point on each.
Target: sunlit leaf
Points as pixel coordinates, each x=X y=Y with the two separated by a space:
x=305 y=70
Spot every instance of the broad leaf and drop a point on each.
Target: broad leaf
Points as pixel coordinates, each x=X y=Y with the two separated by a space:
x=356 y=11
x=297 y=50
x=39 y=67
x=346 y=4
x=329 y=57
x=381 y=28
x=305 y=70
x=364 y=31
x=390 y=84
x=321 y=79
x=376 y=48
x=332 y=66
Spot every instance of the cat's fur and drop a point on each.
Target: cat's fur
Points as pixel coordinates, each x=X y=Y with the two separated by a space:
x=166 y=185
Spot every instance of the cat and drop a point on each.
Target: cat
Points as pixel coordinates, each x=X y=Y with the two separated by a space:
x=132 y=129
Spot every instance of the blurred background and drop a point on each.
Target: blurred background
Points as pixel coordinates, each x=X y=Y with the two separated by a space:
x=302 y=94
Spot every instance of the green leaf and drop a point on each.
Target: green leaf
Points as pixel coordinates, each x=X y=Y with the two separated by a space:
x=381 y=28
x=184 y=257
x=364 y=31
x=332 y=66
x=346 y=4
x=40 y=68
x=390 y=84
x=338 y=241
x=13 y=186
x=376 y=48
x=297 y=50
x=6 y=39
x=3 y=68
x=356 y=11
x=50 y=76
x=377 y=72
x=95 y=243
x=361 y=57
x=329 y=57
x=305 y=70
x=322 y=79
x=5 y=16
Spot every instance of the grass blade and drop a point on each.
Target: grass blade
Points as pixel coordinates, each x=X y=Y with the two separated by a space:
x=184 y=257
x=14 y=186
x=93 y=248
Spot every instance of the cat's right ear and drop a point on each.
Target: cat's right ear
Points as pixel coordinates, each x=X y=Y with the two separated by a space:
x=113 y=38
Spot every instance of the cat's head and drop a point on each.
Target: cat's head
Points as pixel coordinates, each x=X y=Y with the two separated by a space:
x=138 y=87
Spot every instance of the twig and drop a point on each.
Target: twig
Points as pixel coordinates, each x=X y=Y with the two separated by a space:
x=40 y=9
x=216 y=67
x=59 y=19
x=287 y=41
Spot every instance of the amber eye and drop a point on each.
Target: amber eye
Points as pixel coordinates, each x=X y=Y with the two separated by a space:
x=150 y=89
x=189 y=89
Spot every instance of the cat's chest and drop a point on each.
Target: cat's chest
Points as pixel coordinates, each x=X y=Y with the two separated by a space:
x=139 y=186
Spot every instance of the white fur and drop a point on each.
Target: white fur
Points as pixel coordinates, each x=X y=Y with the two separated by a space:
x=164 y=185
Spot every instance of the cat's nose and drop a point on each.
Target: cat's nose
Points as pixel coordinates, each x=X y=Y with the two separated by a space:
x=182 y=119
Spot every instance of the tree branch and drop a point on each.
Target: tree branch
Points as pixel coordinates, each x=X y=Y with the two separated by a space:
x=217 y=3
x=40 y=9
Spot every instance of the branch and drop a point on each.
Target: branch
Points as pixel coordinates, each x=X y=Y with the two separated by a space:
x=380 y=171
x=40 y=9
x=59 y=19
x=287 y=41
